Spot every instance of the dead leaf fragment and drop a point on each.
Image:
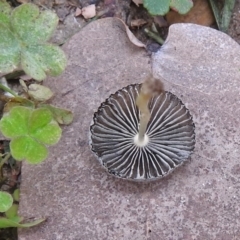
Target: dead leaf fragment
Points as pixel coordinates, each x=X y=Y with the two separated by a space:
x=131 y=36
x=89 y=11
x=39 y=92
x=18 y=101
x=200 y=13
x=137 y=2
x=138 y=22
x=78 y=12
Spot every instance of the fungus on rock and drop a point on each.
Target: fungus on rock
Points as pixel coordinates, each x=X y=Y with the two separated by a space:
x=141 y=132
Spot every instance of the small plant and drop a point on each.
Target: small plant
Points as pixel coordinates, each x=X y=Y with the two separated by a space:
x=223 y=16
x=31 y=130
x=28 y=120
x=24 y=33
x=9 y=208
x=161 y=7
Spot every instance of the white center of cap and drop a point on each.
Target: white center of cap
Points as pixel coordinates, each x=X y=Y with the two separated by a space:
x=141 y=143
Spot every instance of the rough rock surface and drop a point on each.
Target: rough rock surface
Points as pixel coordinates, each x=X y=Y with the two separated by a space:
x=199 y=200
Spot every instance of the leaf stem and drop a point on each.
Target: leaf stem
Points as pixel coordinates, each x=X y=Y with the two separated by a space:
x=6 y=89
x=142 y=104
x=226 y=14
x=223 y=19
x=150 y=88
x=3 y=160
x=154 y=36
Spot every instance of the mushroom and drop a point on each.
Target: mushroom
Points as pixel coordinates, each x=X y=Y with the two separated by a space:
x=142 y=133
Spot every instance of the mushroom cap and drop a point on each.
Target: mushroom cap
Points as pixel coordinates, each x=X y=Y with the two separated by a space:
x=170 y=133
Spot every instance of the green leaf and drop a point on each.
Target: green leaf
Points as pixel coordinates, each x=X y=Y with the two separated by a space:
x=5 y=223
x=12 y=212
x=10 y=50
x=27 y=148
x=30 y=129
x=227 y=14
x=49 y=134
x=216 y=12
x=6 y=201
x=5 y=11
x=62 y=116
x=15 y=123
x=16 y=194
x=43 y=127
x=157 y=7
x=29 y=27
x=39 y=119
x=33 y=26
x=39 y=92
x=181 y=6
x=23 y=36
x=37 y=60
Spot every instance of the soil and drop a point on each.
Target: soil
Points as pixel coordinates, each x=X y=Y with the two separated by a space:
x=9 y=181
x=69 y=24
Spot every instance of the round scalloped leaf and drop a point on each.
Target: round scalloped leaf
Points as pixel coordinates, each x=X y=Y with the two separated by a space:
x=181 y=6
x=12 y=212
x=43 y=128
x=157 y=7
x=9 y=50
x=39 y=92
x=16 y=194
x=33 y=26
x=39 y=118
x=27 y=148
x=37 y=61
x=6 y=201
x=15 y=122
x=5 y=11
x=49 y=134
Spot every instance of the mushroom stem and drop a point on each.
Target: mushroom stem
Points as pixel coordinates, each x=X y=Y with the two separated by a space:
x=150 y=88
x=142 y=103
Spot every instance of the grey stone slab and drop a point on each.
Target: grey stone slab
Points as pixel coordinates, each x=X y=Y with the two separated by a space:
x=70 y=188
x=197 y=201
x=202 y=67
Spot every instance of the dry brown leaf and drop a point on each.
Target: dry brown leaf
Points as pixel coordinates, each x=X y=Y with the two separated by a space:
x=137 y=2
x=138 y=22
x=89 y=11
x=200 y=13
x=131 y=36
x=78 y=12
